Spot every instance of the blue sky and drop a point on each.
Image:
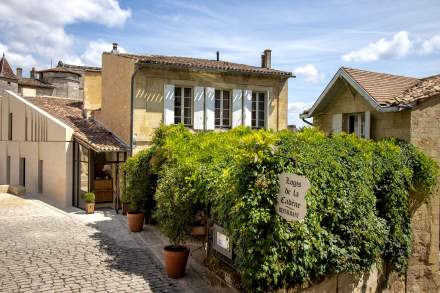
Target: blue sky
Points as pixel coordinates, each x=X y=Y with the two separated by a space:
x=311 y=38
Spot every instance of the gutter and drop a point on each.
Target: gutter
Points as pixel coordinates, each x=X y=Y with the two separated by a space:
x=133 y=76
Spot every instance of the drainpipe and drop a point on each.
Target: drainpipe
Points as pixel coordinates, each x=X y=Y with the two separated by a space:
x=136 y=69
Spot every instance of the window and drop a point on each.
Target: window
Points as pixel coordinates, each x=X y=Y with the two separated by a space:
x=356 y=124
x=22 y=169
x=222 y=109
x=10 y=127
x=258 y=110
x=183 y=106
x=40 y=176
x=8 y=170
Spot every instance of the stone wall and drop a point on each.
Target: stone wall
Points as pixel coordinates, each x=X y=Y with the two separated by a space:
x=6 y=84
x=92 y=89
x=423 y=274
x=66 y=84
x=343 y=99
x=149 y=89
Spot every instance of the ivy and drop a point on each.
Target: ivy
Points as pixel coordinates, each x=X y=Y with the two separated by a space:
x=358 y=206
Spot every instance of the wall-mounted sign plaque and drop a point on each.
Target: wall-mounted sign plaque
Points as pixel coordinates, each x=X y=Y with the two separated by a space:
x=221 y=241
x=291 y=203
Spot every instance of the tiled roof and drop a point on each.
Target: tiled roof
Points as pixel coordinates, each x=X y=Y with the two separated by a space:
x=34 y=83
x=5 y=69
x=86 y=131
x=204 y=64
x=384 y=88
x=60 y=69
x=425 y=88
x=78 y=67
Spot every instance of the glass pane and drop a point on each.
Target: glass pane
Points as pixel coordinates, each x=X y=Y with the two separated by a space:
x=187 y=92
x=254 y=123
x=225 y=113
x=217 y=113
x=187 y=102
x=187 y=121
x=177 y=120
x=254 y=97
x=178 y=92
x=83 y=154
x=187 y=112
x=177 y=101
x=217 y=94
x=226 y=122
x=217 y=121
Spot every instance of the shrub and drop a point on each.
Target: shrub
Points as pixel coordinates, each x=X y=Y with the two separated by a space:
x=88 y=197
x=138 y=182
x=357 y=208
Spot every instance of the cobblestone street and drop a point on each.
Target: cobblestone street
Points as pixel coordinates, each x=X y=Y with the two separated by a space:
x=43 y=249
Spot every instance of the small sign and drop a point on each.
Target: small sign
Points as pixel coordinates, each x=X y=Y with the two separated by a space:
x=291 y=203
x=221 y=241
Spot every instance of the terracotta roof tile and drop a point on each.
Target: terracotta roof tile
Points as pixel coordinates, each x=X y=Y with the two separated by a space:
x=382 y=87
x=6 y=70
x=78 y=67
x=425 y=88
x=60 y=69
x=34 y=83
x=204 y=64
x=87 y=131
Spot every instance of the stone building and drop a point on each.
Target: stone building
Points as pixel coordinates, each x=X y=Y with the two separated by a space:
x=66 y=82
x=377 y=105
x=32 y=86
x=51 y=149
x=139 y=92
x=89 y=85
x=8 y=80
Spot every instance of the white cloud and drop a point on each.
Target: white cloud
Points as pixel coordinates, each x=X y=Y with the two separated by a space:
x=26 y=61
x=37 y=28
x=309 y=73
x=92 y=55
x=431 y=45
x=399 y=46
x=295 y=109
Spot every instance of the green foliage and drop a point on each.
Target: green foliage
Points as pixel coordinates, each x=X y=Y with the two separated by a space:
x=88 y=197
x=358 y=207
x=138 y=182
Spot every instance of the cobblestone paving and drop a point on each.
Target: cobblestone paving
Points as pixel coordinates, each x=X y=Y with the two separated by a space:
x=44 y=250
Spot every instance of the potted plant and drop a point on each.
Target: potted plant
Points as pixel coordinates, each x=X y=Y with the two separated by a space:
x=89 y=198
x=175 y=216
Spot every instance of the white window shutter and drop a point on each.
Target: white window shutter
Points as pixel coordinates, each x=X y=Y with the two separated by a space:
x=337 y=123
x=268 y=103
x=199 y=101
x=247 y=108
x=168 y=104
x=367 y=124
x=237 y=107
x=210 y=108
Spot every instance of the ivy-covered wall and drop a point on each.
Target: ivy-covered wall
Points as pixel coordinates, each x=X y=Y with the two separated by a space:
x=357 y=208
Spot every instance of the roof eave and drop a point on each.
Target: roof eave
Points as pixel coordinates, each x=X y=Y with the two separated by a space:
x=281 y=74
x=342 y=73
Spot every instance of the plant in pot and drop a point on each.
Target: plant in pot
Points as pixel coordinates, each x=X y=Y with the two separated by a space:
x=89 y=198
x=174 y=215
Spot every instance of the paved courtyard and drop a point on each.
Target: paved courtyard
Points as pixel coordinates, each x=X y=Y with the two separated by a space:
x=43 y=249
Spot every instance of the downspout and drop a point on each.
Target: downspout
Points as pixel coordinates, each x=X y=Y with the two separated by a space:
x=133 y=76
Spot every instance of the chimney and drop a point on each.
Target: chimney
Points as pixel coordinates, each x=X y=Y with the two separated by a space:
x=266 y=58
x=19 y=72
x=32 y=73
x=218 y=55
x=115 y=48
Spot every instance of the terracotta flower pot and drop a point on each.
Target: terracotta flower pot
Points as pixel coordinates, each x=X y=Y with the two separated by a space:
x=90 y=208
x=176 y=258
x=135 y=221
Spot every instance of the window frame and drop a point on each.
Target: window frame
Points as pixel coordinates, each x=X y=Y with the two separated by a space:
x=222 y=108
x=257 y=110
x=182 y=106
x=359 y=124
